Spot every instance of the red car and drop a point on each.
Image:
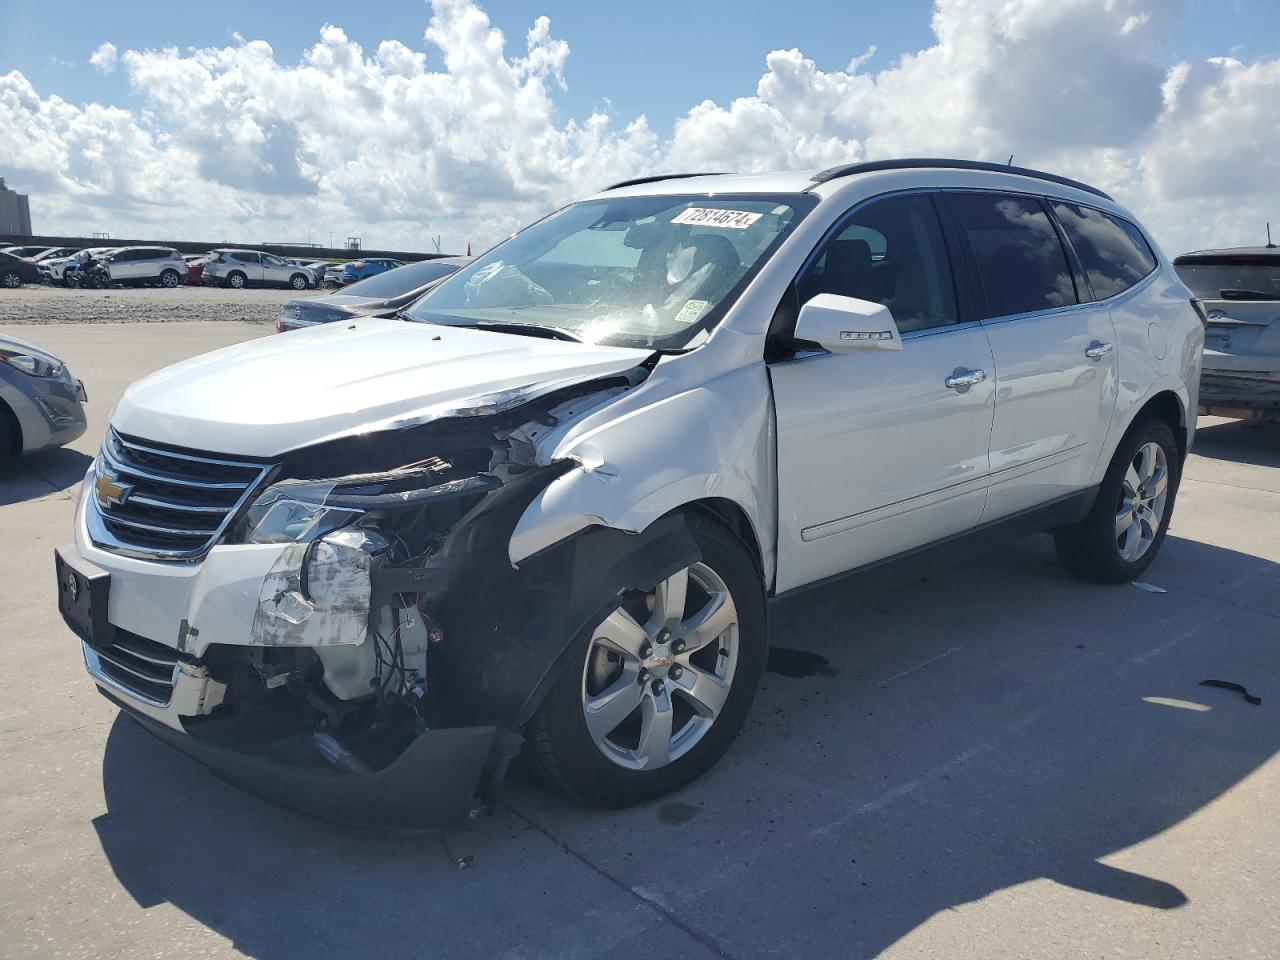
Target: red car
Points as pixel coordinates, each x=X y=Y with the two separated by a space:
x=195 y=268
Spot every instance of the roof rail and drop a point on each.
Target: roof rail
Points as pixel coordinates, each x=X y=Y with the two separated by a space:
x=657 y=178
x=871 y=166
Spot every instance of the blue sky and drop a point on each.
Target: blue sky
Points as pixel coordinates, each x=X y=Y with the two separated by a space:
x=655 y=58
x=369 y=128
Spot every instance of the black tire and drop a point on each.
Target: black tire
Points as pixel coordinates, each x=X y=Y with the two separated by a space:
x=8 y=441
x=570 y=761
x=170 y=279
x=237 y=280
x=1089 y=548
x=298 y=281
x=11 y=280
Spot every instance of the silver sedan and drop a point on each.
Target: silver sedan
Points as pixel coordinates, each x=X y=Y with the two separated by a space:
x=40 y=402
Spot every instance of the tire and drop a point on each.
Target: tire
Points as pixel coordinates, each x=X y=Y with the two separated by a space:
x=615 y=766
x=1122 y=534
x=8 y=440
x=170 y=279
x=11 y=280
x=298 y=281
x=237 y=280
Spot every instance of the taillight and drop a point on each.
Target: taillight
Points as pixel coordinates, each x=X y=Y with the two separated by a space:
x=1198 y=307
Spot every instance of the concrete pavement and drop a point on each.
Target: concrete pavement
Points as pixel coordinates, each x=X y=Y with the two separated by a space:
x=1001 y=761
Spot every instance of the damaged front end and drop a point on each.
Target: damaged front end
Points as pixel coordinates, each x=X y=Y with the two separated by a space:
x=394 y=651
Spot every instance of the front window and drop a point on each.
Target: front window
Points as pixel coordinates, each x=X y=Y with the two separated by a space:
x=633 y=271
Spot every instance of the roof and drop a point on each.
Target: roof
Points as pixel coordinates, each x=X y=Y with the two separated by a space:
x=801 y=181
x=1264 y=255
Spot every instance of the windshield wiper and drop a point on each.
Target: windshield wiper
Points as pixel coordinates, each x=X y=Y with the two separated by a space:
x=526 y=329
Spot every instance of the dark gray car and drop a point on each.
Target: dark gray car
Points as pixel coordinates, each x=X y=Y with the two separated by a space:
x=40 y=402
x=384 y=293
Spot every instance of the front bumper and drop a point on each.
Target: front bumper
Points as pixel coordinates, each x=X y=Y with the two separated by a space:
x=432 y=783
x=48 y=409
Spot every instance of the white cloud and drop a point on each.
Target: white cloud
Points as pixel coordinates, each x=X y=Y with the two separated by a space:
x=462 y=138
x=105 y=58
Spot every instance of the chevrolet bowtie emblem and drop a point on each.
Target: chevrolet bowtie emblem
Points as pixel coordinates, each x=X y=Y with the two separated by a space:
x=109 y=492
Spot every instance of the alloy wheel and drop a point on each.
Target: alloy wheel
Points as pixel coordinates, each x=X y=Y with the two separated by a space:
x=1144 y=491
x=659 y=669
x=299 y=283
x=12 y=281
x=169 y=279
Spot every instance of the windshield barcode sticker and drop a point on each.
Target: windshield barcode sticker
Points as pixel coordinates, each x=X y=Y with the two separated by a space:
x=710 y=217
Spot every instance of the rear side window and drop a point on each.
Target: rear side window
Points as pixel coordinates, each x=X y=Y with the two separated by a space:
x=1021 y=264
x=246 y=256
x=1114 y=253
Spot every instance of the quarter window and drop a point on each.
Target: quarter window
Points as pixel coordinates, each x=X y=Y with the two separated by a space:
x=890 y=252
x=1021 y=264
x=1113 y=252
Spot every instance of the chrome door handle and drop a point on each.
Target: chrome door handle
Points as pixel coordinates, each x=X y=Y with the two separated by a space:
x=1097 y=350
x=964 y=380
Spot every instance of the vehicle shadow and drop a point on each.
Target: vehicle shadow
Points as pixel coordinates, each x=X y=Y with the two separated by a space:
x=996 y=724
x=1241 y=441
x=41 y=474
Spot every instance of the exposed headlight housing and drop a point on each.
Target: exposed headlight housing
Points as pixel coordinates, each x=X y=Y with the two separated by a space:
x=31 y=363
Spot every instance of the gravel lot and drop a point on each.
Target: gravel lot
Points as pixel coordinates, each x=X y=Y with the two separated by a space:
x=37 y=304
x=1000 y=761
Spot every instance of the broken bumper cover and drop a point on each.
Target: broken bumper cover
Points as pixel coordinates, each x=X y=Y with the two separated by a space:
x=430 y=786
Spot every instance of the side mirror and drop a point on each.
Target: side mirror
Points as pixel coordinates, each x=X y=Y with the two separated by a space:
x=847 y=324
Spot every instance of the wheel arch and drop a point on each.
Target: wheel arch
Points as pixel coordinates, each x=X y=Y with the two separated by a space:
x=1165 y=405
x=731 y=515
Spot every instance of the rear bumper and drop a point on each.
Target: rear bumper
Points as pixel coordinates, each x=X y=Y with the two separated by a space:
x=1241 y=394
x=430 y=786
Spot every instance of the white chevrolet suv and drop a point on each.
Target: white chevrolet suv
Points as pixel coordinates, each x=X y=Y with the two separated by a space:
x=559 y=500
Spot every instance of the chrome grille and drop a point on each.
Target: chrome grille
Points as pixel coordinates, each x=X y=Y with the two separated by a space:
x=143 y=667
x=165 y=504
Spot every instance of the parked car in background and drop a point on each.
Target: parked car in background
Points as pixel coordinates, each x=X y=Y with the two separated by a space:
x=40 y=402
x=145 y=266
x=1239 y=289
x=341 y=274
x=15 y=271
x=56 y=269
x=24 y=251
x=314 y=267
x=555 y=500
x=53 y=253
x=195 y=267
x=383 y=294
x=253 y=268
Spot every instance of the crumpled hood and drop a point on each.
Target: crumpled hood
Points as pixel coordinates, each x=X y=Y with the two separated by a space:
x=278 y=393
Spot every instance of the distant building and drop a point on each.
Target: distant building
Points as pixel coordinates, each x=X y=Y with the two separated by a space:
x=15 y=213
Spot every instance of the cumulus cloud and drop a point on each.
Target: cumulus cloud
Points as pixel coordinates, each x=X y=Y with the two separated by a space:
x=105 y=57
x=462 y=137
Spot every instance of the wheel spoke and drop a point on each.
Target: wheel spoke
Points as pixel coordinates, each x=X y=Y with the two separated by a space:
x=605 y=711
x=621 y=632
x=704 y=691
x=1129 y=545
x=1146 y=461
x=708 y=623
x=1159 y=483
x=668 y=600
x=1124 y=520
x=1132 y=481
x=654 y=748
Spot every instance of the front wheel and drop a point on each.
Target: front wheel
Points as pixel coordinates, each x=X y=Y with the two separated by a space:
x=655 y=694
x=298 y=282
x=11 y=281
x=1123 y=532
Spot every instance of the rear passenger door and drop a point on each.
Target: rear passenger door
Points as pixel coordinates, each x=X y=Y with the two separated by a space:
x=252 y=266
x=1055 y=360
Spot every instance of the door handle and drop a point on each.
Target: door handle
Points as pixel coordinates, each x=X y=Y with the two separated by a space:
x=1097 y=350
x=964 y=379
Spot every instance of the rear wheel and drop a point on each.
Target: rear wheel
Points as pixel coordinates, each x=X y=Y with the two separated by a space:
x=654 y=694
x=170 y=279
x=11 y=280
x=1126 y=527
x=237 y=279
x=298 y=282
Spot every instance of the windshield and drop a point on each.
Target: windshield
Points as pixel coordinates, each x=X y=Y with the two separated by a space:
x=632 y=271
x=392 y=283
x=1232 y=281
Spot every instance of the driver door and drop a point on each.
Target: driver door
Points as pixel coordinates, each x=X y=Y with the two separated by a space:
x=877 y=455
